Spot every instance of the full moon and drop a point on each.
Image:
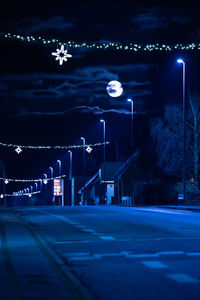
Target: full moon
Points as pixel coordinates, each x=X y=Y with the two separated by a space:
x=114 y=88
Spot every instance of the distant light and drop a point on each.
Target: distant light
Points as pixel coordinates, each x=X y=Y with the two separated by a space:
x=102 y=120
x=129 y=100
x=180 y=61
x=29 y=195
x=58 y=160
x=1 y=196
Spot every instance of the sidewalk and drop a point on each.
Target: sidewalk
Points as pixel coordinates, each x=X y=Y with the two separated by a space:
x=195 y=208
x=28 y=270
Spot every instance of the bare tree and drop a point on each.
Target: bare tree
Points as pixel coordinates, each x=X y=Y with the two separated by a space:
x=168 y=135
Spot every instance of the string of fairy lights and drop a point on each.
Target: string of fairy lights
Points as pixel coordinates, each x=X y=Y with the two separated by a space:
x=19 y=148
x=45 y=181
x=101 y=45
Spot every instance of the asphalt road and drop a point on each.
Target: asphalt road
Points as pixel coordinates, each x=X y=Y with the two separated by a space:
x=106 y=253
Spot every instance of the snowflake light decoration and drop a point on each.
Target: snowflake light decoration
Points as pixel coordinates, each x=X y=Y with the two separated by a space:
x=6 y=181
x=61 y=54
x=88 y=149
x=18 y=150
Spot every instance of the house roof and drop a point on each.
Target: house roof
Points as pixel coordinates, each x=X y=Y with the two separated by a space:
x=108 y=169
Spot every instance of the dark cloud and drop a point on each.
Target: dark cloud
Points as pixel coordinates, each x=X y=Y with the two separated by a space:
x=55 y=23
x=150 y=19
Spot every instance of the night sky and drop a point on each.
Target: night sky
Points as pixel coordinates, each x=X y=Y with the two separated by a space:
x=43 y=103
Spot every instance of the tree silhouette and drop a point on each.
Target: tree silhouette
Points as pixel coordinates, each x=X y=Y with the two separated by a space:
x=167 y=133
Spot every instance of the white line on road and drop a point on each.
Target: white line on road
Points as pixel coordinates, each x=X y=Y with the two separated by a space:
x=107 y=238
x=80 y=226
x=182 y=278
x=78 y=258
x=170 y=252
x=193 y=253
x=155 y=264
x=77 y=254
x=141 y=255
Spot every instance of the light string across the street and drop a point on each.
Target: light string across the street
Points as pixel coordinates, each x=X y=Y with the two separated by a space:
x=17 y=194
x=8 y=180
x=101 y=45
x=19 y=148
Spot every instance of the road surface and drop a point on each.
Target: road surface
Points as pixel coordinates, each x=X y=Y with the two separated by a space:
x=103 y=253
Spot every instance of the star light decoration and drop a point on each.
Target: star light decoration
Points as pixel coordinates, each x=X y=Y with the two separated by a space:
x=61 y=54
x=88 y=149
x=18 y=150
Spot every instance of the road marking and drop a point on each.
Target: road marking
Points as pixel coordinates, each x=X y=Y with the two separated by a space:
x=78 y=258
x=97 y=233
x=76 y=242
x=73 y=223
x=170 y=252
x=163 y=211
x=182 y=278
x=141 y=255
x=80 y=226
x=193 y=253
x=155 y=264
x=107 y=238
x=77 y=254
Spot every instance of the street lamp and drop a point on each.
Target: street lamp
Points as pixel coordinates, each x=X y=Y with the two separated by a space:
x=71 y=179
x=83 y=139
x=104 y=139
x=40 y=185
x=70 y=164
x=45 y=181
x=131 y=101
x=181 y=61
x=59 y=166
x=36 y=187
x=31 y=187
x=51 y=171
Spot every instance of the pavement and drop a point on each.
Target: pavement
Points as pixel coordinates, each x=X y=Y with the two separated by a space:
x=183 y=207
x=103 y=253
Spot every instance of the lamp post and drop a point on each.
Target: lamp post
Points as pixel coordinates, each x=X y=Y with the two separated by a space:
x=83 y=139
x=71 y=178
x=31 y=187
x=131 y=101
x=36 y=187
x=104 y=139
x=51 y=171
x=45 y=178
x=70 y=164
x=180 y=61
x=59 y=167
x=40 y=185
